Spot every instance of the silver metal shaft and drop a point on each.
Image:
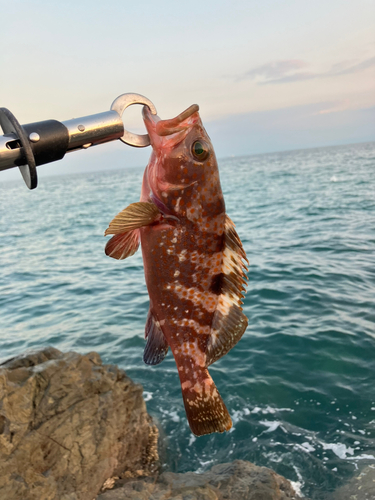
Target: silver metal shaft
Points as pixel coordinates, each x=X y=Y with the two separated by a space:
x=28 y=146
x=83 y=133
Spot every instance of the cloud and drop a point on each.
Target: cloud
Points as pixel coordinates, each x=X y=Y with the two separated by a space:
x=276 y=69
x=291 y=71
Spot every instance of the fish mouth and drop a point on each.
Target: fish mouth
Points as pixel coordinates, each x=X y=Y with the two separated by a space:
x=161 y=128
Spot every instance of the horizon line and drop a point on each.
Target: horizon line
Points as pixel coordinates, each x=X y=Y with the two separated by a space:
x=222 y=158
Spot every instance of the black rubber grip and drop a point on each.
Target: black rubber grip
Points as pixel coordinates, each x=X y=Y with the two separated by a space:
x=53 y=142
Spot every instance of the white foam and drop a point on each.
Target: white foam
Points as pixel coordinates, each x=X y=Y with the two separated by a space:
x=269 y=410
x=174 y=416
x=298 y=485
x=362 y=457
x=171 y=414
x=274 y=457
x=203 y=467
x=339 y=449
x=272 y=425
x=147 y=395
x=297 y=488
x=304 y=447
x=192 y=439
x=238 y=415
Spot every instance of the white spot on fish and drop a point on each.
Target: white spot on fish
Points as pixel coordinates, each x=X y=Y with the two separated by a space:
x=176 y=273
x=198 y=388
x=214 y=336
x=182 y=255
x=199 y=329
x=224 y=304
x=164 y=194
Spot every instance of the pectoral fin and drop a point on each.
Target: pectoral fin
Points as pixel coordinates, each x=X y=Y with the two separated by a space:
x=134 y=216
x=123 y=245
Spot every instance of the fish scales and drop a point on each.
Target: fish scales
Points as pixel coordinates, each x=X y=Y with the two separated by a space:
x=193 y=260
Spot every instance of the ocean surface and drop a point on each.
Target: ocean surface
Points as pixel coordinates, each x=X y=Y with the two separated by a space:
x=300 y=385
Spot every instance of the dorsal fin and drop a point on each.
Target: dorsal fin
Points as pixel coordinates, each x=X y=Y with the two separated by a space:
x=229 y=322
x=157 y=347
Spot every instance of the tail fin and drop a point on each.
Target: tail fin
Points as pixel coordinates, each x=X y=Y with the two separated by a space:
x=205 y=410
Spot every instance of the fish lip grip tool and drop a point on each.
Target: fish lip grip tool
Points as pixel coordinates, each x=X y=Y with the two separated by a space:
x=28 y=146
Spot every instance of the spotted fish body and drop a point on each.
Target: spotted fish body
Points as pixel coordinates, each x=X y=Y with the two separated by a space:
x=193 y=261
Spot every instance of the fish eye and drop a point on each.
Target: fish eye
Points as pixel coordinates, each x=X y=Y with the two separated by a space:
x=200 y=150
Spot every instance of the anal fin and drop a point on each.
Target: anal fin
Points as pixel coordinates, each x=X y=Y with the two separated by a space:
x=123 y=245
x=157 y=347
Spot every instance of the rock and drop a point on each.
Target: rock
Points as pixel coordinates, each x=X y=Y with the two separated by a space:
x=67 y=425
x=360 y=487
x=239 y=480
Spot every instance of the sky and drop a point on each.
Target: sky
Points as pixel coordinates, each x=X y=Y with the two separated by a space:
x=268 y=76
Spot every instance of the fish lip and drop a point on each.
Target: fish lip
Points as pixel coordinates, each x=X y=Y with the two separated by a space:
x=148 y=116
x=157 y=127
x=169 y=127
x=150 y=121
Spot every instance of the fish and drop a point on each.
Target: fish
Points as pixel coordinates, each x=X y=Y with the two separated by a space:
x=194 y=262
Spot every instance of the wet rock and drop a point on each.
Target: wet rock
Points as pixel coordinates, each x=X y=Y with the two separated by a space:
x=238 y=480
x=360 y=487
x=68 y=424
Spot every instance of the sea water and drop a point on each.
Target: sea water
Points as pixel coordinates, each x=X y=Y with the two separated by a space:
x=300 y=385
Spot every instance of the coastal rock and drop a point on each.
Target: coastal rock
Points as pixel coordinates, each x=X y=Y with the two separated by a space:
x=68 y=423
x=239 y=480
x=360 y=487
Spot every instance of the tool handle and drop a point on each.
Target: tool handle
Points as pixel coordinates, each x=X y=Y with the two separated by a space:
x=50 y=140
x=28 y=146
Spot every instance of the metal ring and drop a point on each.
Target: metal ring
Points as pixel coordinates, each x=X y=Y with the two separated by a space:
x=10 y=124
x=120 y=104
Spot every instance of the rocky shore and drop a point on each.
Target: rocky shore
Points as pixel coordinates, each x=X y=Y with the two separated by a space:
x=67 y=424
x=72 y=428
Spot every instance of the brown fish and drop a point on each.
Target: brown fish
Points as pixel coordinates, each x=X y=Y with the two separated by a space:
x=193 y=260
